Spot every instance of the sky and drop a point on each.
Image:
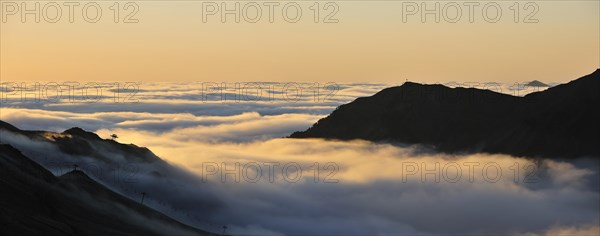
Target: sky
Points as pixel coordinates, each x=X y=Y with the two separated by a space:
x=364 y=41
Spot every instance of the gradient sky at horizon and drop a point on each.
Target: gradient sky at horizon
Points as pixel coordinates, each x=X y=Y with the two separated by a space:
x=369 y=44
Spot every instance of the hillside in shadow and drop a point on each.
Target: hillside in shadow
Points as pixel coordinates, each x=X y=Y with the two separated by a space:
x=560 y=122
x=35 y=202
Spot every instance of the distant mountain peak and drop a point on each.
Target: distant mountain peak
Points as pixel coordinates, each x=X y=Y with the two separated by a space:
x=537 y=83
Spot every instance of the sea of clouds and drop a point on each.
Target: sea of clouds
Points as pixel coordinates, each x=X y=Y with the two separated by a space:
x=317 y=187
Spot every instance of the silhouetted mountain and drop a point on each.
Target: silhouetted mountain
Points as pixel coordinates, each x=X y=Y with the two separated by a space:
x=537 y=83
x=124 y=168
x=76 y=141
x=35 y=202
x=77 y=146
x=562 y=121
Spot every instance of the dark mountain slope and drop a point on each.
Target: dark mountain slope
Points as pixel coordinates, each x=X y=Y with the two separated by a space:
x=76 y=141
x=125 y=168
x=562 y=121
x=35 y=202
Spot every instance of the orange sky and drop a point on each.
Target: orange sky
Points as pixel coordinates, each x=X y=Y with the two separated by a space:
x=371 y=43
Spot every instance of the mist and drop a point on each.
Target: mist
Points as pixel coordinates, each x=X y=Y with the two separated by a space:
x=361 y=187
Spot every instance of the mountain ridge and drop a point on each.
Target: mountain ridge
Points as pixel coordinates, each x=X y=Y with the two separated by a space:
x=122 y=168
x=77 y=141
x=558 y=122
x=37 y=202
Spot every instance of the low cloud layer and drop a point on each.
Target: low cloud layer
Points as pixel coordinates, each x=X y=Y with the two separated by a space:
x=375 y=189
x=345 y=188
x=162 y=107
x=375 y=194
x=235 y=128
x=178 y=105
